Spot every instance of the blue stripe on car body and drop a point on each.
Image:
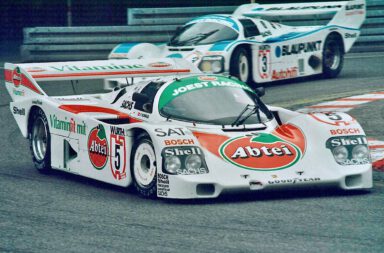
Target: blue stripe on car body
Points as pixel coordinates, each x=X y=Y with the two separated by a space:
x=124 y=48
x=220 y=46
x=284 y=37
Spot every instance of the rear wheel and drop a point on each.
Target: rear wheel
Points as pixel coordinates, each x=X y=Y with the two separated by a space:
x=144 y=168
x=333 y=56
x=241 y=65
x=40 y=141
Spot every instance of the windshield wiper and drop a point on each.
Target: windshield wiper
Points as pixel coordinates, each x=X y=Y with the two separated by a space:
x=238 y=121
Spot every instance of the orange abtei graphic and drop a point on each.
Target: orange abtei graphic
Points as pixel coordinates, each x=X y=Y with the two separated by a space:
x=278 y=150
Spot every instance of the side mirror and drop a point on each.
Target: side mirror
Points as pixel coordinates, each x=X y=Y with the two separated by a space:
x=260 y=91
x=140 y=98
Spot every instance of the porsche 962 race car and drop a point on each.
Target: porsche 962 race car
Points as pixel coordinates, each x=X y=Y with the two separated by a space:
x=248 y=46
x=186 y=136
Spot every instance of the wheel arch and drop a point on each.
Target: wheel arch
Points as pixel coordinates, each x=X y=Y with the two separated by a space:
x=32 y=111
x=247 y=46
x=338 y=36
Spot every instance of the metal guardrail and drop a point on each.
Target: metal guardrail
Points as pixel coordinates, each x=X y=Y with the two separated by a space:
x=158 y=25
x=172 y=16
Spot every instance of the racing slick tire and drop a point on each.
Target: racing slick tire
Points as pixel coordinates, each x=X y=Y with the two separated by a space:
x=241 y=65
x=40 y=141
x=333 y=56
x=144 y=167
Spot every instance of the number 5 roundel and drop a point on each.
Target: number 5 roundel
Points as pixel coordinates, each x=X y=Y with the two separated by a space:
x=118 y=161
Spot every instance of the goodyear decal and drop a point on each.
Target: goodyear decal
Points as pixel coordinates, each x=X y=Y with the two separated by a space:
x=189 y=84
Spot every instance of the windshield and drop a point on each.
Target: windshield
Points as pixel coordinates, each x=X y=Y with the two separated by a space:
x=202 y=33
x=217 y=100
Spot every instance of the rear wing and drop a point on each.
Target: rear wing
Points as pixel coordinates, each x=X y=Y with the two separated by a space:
x=21 y=80
x=349 y=14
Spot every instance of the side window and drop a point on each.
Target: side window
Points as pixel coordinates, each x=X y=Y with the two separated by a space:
x=150 y=92
x=250 y=29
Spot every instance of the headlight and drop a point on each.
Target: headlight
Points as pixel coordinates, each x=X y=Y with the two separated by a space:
x=212 y=64
x=360 y=152
x=193 y=162
x=340 y=153
x=172 y=164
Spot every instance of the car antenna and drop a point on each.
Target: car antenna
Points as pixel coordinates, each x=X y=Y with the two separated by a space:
x=73 y=86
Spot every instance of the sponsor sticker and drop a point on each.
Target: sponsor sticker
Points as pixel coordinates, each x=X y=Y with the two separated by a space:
x=299 y=48
x=109 y=66
x=118 y=161
x=176 y=142
x=35 y=69
x=159 y=65
x=333 y=118
x=189 y=84
x=344 y=131
x=294 y=180
x=127 y=105
x=285 y=73
x=98 y=147
x=177 y=131
x=185 y=154
x=16 y=76
x=162 y=184
x=353 y=148
x=18 y=111
x=264 y=58
x=67 y=125
x=262 y=152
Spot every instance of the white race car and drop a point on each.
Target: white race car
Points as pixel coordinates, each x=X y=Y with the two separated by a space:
x=255 y=50
x=190 y=136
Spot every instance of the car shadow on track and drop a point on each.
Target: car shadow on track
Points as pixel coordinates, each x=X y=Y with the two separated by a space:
x=272 y=195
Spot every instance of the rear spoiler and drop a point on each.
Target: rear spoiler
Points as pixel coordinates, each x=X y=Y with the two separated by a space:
x=21 y=80
x=346 y=13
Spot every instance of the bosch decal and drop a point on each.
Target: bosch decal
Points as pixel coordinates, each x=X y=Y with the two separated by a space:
x=179 y=142
x=98 y=147
x=118 y=160
x=344 y=131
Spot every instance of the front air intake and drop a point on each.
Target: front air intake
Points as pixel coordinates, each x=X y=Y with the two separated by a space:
x=205 y=189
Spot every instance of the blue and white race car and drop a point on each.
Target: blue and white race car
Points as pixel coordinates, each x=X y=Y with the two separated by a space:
x=253 y=49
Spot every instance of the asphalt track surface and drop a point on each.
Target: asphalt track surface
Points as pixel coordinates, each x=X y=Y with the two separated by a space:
x=66 y=213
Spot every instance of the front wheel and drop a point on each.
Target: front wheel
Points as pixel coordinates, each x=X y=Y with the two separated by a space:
x=333 y=56
x=144 y=168
x=40 y=141
x=241 y=65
